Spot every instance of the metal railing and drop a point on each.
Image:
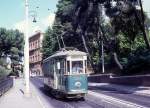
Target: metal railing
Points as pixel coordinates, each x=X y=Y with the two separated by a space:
x=5 y=85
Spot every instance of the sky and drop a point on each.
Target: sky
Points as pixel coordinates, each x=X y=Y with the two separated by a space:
x=12 y=14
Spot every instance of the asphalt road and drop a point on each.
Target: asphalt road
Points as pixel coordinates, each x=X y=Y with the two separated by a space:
x=90 y=101
x=51 y=102
x=134 y=98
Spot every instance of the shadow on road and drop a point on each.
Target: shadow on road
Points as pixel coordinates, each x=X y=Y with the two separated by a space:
x=110 y=90
x=64 y=99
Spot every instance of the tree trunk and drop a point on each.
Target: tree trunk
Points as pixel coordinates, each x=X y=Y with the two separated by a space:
x=117 y=61
x=142 y=26
x=87 y=50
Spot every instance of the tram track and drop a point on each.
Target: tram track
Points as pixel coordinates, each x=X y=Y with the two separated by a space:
x=133 y=100
x=84 y=104
x=92 y=100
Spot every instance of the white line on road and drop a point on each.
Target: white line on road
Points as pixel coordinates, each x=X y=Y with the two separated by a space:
x=116 y=101
x=36 y=95
x=39 y=96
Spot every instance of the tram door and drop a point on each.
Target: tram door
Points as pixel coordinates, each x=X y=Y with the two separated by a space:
x=58 y=74
x=60 y=71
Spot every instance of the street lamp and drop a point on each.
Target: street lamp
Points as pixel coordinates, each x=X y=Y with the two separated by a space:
x=27 y=92
x=33 y=14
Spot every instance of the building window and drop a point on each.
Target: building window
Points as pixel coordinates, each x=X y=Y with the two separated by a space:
x=39 y=57
x=29 y=45
x=36 y=43
x=39 y=43
x=30 y=59
x=33 y=45
x=33 y=58
x=36 y=57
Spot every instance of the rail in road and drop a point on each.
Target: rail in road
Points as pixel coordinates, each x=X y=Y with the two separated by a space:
x=5 y=85
x=51 y=102
x=94 y=99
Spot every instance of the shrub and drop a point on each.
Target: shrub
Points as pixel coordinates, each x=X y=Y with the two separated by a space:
x=4 y=72
x=137 y=62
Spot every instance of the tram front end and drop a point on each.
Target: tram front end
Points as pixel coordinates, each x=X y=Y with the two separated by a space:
x=76 y=80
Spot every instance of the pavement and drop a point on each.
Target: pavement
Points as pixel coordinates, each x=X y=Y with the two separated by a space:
x=139 y=90
x=15 y=97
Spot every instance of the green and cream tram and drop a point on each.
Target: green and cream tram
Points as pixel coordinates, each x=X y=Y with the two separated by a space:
x=65 y=73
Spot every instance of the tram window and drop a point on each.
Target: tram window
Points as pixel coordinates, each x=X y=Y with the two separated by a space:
x=58 y=65
x=68 y=66
x=85 y=66
x=77 y=67
x=62 y=66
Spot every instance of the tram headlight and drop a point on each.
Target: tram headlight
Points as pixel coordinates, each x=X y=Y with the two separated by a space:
x=78 y=84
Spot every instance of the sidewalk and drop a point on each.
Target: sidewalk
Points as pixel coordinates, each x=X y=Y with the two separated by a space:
x=15 y=98
x=140 y=90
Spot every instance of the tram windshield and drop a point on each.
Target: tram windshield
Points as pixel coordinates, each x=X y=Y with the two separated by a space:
x=77 y=67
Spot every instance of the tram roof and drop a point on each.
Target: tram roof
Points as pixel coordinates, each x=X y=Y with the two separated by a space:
x=67 y=53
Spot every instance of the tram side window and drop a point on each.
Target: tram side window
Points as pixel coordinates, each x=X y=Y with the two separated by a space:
x=51 y=68
x=77 y=67
x=85 y=66
x=68 y=66
x=62 y=66
x=46 y=69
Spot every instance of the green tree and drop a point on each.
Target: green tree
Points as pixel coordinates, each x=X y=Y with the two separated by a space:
x=80 y=24
x=49 y=42
x=9 y=39
x=11 y=44
x=125 y=18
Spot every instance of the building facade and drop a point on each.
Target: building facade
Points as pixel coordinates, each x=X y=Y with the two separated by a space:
x=35 y=55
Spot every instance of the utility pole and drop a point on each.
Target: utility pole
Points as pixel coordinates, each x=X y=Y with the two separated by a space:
x=26 y=52
x=103 y=62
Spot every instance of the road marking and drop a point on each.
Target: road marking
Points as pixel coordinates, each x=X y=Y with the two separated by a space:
x=35 y=94
x=40 y=102
x=115 y=100
x=39 y=97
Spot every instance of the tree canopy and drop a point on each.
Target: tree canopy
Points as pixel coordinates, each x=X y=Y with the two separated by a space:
x=11 y=44
x=82 y=24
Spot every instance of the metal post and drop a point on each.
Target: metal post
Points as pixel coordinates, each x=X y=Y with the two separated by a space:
x=63 y=39
x=58 y=42
x=26 y=52
x=103 y=67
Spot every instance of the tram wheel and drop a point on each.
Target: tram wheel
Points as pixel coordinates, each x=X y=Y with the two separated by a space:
x=82 y=98
x=56 y=94
x=46 y=88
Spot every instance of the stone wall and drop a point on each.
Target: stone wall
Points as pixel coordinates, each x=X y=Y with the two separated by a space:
x=139 y=80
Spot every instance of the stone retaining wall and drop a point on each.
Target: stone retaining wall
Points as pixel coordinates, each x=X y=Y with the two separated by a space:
x=139 y=80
